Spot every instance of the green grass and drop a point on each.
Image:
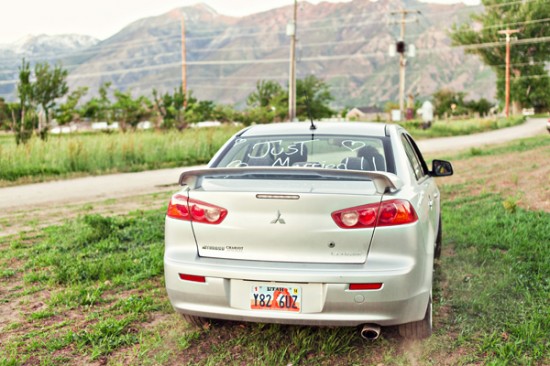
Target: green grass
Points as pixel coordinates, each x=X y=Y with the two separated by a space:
x=69 y=155
x=98 y=248
x=63 y=156
x=499 y=278
x=510 y=147
x=92 y=290
x=443 y=128
x=85 y=266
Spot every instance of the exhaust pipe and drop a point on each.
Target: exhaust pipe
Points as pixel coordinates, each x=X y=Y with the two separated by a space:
x=370 y=332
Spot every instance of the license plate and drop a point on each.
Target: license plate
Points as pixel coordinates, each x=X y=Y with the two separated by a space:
x=276 y=298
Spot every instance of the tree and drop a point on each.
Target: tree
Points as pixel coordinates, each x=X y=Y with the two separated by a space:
x=481 y=106
x=99 y=109
x=24 y=117
x=49 y=85
x=530 y=84
x=67 y=112
x=130 y=111
x=4 y=114
x=267 y=92
x=170 y=108
x=444 y=99
x=318 y=95
x=256 y=115
x=24 y=86
x=224 y=113
x=268 y=103
x=198 y=111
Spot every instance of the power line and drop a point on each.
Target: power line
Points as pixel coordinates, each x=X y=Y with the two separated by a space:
x=242 y=33
x=507 y=25
x=508 y=3
x=307 y=59
x=268 y=77
x=92 y=51
x=231 y=49
x=215 y=33
x=440 y=49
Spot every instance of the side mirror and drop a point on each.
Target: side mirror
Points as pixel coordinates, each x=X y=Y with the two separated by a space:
x=441 y=168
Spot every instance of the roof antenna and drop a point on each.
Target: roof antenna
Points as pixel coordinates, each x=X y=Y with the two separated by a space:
x=312 y=126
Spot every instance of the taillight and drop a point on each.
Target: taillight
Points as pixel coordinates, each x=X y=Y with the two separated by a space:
x=177 y=208
x=386 y=213
x=396 y=212
x=192 y=278
x=182 y=208
x=365 y=286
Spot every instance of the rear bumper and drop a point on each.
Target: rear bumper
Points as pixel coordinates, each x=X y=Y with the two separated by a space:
x=326 y=298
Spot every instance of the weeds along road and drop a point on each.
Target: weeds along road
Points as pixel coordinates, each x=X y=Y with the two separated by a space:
x=55 y=201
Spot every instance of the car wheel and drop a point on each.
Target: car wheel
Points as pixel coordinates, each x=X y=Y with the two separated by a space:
x=196 y=321
x=419 y=329
x=438 y=241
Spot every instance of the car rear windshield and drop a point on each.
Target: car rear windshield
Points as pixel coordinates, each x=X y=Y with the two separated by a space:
x=368 y=153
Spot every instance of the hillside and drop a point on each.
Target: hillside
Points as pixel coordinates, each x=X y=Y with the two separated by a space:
x=346 y=44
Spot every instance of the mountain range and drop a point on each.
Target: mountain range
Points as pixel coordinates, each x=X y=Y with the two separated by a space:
x=345 y=44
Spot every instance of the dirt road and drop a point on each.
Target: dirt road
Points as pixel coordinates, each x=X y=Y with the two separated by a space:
x=55 y=201
x=532 y=127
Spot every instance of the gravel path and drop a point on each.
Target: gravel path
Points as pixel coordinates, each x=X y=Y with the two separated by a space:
x=532 y=127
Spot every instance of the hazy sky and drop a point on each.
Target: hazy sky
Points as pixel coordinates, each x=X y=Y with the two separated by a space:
x=103 y=18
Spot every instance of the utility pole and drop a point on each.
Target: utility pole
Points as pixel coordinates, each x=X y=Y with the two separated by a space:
x=291 y=31
x=508 y=32
x=401 y=49
x=183 y=63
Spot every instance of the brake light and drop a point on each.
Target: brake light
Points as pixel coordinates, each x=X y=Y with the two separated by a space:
x=396 y=212
x=182 y=208
x=386 y=213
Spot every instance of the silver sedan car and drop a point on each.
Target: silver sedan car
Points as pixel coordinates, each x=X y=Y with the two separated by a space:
x=334 y=224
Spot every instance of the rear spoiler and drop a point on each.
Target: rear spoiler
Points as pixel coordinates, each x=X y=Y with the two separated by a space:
x=384 y=182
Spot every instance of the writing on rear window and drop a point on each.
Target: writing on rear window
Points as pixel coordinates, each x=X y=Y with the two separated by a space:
x=324 y=152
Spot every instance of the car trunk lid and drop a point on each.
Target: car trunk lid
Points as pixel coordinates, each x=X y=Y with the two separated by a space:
x=290 y=224
x=286 y=220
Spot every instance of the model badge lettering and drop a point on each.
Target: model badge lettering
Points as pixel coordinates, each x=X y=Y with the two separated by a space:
x=345 y=254
x=222 y=248
x=213 y=247
x=233 y=248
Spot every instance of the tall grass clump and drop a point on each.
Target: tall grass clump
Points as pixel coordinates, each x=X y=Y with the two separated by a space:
x=104 y=153
x=95 y=249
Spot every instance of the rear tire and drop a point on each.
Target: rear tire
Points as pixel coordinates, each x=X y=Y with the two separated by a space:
x=420 y=329
x=438 y=241
x=196 y=321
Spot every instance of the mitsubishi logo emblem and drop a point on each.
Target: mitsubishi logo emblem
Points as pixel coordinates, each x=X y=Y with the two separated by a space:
x=279 y=219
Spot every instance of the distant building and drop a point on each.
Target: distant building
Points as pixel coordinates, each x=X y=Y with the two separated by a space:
x=63 y=129
x=104 y=126
x=145 y=125
x=70 y=127
x=365 y=114
x=528 y=111
x=205 y=124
